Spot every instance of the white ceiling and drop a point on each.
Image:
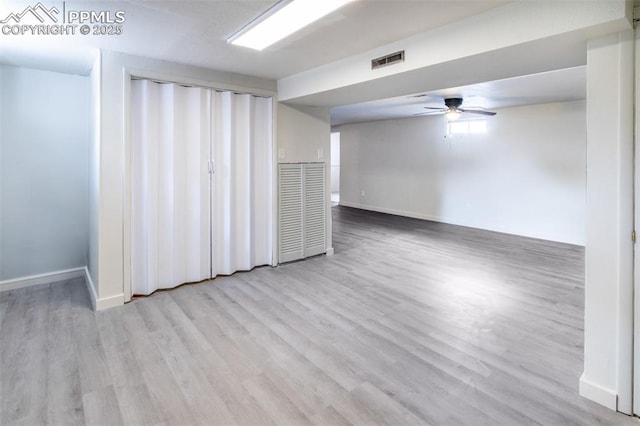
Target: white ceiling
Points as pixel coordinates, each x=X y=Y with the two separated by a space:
x=555 y=86
x=195 y=32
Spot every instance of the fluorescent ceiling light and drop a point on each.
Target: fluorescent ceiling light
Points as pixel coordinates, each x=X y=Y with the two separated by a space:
x=282 y=20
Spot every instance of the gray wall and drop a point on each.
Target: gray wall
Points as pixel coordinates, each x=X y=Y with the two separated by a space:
x=44 y=152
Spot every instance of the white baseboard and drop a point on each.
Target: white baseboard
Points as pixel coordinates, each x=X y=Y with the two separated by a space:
x=450 y=222
x=330 y=251
x=50 y=277
x=597 y=393
x=392 y=211
x=98 y=303
x=109 y=302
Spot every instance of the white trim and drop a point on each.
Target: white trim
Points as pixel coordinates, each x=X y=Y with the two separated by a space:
x=47 y=278
x=127 y=289
x=275 y=212
x=91 y=287
x=392 y=211
x=597 y=393
x=625 y=106
x=110 y=302
x=67 y=274
x=97 y=303
x=135 y=72
x=636 y=253
x=330 y=251
x=441 y=220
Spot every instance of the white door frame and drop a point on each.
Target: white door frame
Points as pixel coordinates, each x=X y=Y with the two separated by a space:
x=636 y=218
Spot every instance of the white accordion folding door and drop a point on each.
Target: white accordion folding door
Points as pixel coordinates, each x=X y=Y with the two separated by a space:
x=201 y=184
x=242 y=182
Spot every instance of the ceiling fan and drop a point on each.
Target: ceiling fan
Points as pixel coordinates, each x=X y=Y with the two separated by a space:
x=453 y=111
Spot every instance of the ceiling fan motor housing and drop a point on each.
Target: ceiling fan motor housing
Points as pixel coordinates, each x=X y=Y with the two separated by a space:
x=453 y=103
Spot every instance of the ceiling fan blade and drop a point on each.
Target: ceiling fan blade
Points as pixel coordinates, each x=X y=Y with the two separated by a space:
x=476 y=111
x=440 y=108
x=430 y=113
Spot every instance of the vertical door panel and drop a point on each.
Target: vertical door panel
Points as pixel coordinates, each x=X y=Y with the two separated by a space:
x=241 y=190
x=314 y=209
x=170 y=186
x=290 y=212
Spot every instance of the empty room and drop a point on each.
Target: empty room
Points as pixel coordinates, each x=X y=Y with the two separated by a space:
x=337 y=212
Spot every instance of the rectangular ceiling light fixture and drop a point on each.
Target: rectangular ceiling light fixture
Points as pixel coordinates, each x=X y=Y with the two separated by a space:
x=283 y=19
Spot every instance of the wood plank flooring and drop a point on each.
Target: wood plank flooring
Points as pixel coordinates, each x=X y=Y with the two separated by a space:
x=410 y=323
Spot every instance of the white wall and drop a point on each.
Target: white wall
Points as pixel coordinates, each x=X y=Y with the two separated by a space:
x=526 y=176
x=304 y=135
x=43 y=172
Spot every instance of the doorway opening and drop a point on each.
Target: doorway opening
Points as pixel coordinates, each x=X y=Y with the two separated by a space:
x=335 y=168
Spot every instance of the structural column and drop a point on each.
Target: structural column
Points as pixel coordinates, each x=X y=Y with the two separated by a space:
x=608 y=346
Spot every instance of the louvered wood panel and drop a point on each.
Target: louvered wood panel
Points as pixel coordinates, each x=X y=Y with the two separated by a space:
x=314 y=209
x=290 y=199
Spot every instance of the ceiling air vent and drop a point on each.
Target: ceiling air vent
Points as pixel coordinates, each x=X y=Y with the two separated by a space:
x=386 y=60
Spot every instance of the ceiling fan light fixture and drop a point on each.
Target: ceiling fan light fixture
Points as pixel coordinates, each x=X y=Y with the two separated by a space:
x=282 y=20
x=452 y=115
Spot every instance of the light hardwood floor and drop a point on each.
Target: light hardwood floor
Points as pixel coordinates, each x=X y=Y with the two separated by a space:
x=411 y=322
